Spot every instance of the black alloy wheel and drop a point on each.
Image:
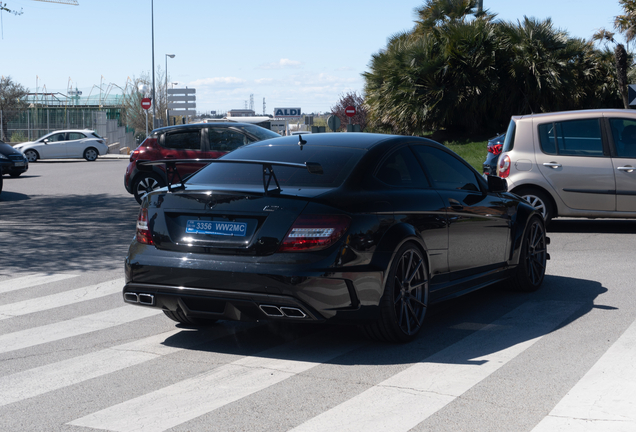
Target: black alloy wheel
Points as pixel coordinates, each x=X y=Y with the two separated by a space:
x=145 y=184
x=405 y=298
x=533 y=257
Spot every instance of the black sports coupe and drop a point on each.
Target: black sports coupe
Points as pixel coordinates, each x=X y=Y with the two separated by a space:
x=340 y=227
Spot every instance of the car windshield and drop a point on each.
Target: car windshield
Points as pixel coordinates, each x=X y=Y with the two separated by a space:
x=96 y=136
x=336 y=163
x=510 y=136
x=258 y=132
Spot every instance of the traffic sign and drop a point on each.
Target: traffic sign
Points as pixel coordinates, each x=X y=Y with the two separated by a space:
x=333 y=122
x=350 y=111
x=145 y=103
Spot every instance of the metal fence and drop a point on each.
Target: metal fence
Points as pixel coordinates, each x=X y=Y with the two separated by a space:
x=33 y=123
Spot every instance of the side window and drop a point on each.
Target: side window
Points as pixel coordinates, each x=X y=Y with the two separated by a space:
x=75 y=136
x=183 y=140
x=624 y=135
x=57 y=137
x=447 y=171
x=402 y=170
x=225 y=140
x=572 y=138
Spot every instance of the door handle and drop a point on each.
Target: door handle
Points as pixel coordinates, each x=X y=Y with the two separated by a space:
x=627 y=168
x=552 y=165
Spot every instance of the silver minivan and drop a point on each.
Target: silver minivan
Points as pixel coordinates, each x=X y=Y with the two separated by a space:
x=573 y=163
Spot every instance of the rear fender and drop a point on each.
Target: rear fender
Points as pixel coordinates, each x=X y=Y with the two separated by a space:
x=391 y=241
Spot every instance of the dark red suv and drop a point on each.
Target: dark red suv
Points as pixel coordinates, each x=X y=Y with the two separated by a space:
x=193 y=141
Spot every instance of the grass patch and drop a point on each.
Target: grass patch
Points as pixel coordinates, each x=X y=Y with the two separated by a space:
x=472 y=152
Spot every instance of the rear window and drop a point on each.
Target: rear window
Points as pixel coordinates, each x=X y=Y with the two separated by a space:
x=336 y=163
x=510 y=137
x=258 y=132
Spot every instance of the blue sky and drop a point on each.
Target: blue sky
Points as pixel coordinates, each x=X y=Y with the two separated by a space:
x=292 y=53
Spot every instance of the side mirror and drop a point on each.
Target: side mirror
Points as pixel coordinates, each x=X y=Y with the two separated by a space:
x=46 y=141
x=497 y=184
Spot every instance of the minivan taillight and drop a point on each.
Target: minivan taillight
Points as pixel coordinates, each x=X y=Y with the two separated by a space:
x=503 y=170
x=143 y=233
x=314 y=232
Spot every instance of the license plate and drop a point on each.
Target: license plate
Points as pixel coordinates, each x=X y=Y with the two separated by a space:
x=237 y=229
x=18 y=164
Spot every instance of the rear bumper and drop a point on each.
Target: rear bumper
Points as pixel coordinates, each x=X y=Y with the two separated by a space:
x=203 y=287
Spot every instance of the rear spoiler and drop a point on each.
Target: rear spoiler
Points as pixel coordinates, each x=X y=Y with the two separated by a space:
x=268 y=169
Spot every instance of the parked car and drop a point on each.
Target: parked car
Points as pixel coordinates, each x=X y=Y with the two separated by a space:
x=352 y=228
x=12 y=161
x=573 y=163
x=193 y=141
x=494 y=146
x=63 y=144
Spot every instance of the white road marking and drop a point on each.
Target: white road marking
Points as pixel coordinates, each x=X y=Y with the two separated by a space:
x=411 y=396
x=44 y=379
x=189 y=399
x=32 y=280
x=604 y=399
x=74 y=327
x=61 y=299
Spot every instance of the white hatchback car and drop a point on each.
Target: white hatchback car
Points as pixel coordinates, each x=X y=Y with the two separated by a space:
x=62 y=144
x=573 y=163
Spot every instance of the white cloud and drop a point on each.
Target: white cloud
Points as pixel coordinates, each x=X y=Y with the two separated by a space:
x=282 y=64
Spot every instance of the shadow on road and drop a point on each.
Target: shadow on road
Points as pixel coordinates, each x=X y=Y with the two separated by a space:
x=65 y=233
x=604 y=226
x=560 y=301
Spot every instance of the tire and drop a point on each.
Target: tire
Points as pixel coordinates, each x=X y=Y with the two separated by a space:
x=32 y=155
x=182 y=318
x=539 y=200
x=532 y=259
x=14 y=175
x=90 y=154
x=146 y=183
x=405 y=299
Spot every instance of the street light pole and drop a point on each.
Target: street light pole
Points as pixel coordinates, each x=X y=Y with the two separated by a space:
x=167 y=117
x=152 y=17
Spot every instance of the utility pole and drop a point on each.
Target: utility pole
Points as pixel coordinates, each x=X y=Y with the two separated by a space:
x=480 y=6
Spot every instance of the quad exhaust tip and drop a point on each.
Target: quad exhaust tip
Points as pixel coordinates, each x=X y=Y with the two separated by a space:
x=282 y=311
x=142 y=298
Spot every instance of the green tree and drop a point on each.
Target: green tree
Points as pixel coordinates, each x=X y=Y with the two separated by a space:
x=11 y=101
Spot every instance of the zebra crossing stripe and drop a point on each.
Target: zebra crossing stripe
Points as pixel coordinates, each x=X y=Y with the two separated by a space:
x=428 y=386
x=32 y=280
x=604 y=399
x=189 y=399
x=74 y=327
x=44 y=379
x=61 y=299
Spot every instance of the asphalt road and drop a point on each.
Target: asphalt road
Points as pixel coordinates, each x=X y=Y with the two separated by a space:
x=74 y=357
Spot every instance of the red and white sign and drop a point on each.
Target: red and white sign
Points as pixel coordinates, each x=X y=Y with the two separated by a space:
x=350 y=111
x=145 y=103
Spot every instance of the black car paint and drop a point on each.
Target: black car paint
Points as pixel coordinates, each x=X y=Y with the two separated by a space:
x=8 y=166
x=344 y=282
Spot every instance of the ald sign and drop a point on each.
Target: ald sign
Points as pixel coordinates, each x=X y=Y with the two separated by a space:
x=287 y=112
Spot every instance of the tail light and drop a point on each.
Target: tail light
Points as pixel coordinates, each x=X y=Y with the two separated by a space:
x=143 y=233
x=495 y=149
x=503 y=170
x=314 y=232
x=134 y=155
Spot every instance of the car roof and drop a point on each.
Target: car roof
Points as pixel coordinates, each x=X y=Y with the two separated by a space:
x=201 y=125
x=577 y=113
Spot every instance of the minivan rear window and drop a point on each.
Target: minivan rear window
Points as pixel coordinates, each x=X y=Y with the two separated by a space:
x=510 y=137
